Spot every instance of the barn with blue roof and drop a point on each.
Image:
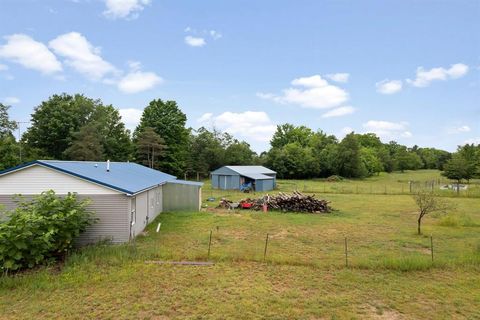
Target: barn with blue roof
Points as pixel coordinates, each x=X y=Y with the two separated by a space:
x=125 y=196
x=257 y=178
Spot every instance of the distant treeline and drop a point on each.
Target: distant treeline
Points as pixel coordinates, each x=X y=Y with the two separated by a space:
x=75 y=127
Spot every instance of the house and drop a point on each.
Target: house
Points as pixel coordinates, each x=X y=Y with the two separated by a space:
x=235 y=177
x=125 y=196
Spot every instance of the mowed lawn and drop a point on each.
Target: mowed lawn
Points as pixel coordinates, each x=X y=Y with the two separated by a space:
x=390 y=274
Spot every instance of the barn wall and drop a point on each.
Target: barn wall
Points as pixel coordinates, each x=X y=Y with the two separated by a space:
x=181 y=197
x=36 y=179
x=214 y=180
x=264 y=185
x=225 y=182
x=111 y=210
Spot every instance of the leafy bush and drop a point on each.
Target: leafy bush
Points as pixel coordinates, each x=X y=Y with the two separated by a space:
x=42 y=230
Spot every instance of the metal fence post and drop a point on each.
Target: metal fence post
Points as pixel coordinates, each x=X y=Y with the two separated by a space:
x=209 y=244
x=265 y=251
x=346 y=253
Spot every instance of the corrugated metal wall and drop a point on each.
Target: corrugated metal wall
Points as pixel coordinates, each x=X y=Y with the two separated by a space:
x=112 y=211
x=264 y=185
x=226 y=182
x=181 y=197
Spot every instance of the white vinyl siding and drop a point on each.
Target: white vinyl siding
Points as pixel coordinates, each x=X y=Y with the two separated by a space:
x=36 y=179
x=111 y=210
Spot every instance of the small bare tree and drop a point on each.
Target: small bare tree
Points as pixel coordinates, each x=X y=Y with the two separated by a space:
x=427 y=203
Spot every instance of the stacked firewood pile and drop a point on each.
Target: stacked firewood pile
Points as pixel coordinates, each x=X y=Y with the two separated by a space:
x=295 y=202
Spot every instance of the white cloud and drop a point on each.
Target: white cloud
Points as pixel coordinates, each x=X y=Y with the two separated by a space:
x=134 y=65
x=205 y=117
x=11 y=100
x=3 y=67
x=313 y=92
x=131 y=117
x=425 y=77
x=472 y=141
x=338 y=77
x=459 y=129
x=138 y=81
x=388 y=130
x=82 y=56
x=250 y=125
x=125 y=9
x=338 y=112
x=195 y=41
x=389 y=86
x=31 y=54
x=215 y=34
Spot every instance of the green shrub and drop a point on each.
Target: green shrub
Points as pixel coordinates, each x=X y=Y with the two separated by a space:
x=449 y=221
x=41 y=230
x=452 y=220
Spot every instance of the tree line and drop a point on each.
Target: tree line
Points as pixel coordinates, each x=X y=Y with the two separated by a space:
x=76 y=127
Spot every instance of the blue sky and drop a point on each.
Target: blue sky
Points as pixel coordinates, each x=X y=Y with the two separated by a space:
x=407 y=70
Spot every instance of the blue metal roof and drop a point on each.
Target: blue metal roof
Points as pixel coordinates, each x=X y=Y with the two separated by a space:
x=125 y=177
x=248 y=170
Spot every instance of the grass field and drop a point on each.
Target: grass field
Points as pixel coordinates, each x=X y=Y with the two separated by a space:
x=390 y=273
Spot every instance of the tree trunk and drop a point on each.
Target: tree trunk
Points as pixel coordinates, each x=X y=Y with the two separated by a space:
x=419 y=224
x=458 y=187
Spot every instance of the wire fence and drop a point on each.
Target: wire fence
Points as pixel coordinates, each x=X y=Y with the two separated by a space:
x=287 y=248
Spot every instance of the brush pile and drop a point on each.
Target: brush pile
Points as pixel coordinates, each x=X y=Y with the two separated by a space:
x=295 y=202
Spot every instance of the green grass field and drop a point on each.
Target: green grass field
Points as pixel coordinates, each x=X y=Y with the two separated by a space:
x=390 y=273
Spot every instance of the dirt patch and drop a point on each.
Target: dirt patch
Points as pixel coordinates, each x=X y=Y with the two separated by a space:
x=419 y=250
x=375 y=312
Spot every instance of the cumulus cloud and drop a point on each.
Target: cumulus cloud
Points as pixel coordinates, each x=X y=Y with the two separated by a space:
x=124 y=9
x=389 y=86
x=195 y=41
x=138 y=81
x=338 y=112
x=205 y=117
x=310 y=92
x=249 y=125
x=425 y=77
x=459 y=129
x=472 y=141
x=29 y=53
x=387 y=129
x=82 y=56
x=338 y=77
x=131 y=117
x=11 y=100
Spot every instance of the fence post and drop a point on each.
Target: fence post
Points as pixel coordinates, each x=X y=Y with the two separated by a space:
x=346 y=253
x=431 y=246
x=265 y=251
x=209 y=244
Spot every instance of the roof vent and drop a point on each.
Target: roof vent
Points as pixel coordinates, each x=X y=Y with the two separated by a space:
x=108 y=165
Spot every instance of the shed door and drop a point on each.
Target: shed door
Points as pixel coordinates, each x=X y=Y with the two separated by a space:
x=222 y=182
